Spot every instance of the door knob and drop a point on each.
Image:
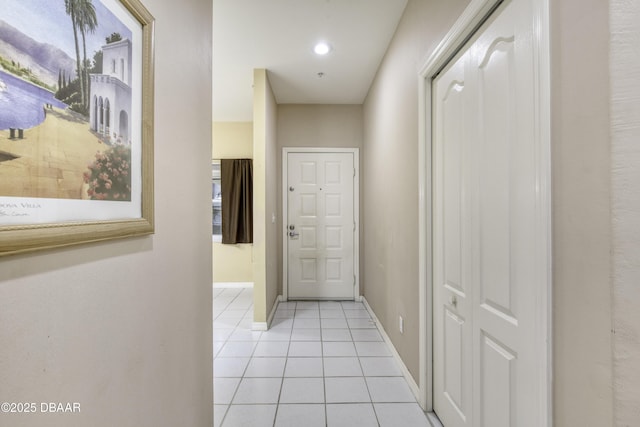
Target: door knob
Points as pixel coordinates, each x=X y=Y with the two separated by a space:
x=293 y=234
x=454 y=301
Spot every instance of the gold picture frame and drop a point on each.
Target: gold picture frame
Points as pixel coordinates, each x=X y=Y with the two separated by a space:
x=30 y=217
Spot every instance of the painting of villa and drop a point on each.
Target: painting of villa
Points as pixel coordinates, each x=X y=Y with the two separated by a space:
x=66 y=84
x=110 y=107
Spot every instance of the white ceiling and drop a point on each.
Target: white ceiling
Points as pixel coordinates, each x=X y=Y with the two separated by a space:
x=279 y=35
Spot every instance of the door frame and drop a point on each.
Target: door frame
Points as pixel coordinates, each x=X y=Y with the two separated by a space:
x=285 y=210
x=476 y=13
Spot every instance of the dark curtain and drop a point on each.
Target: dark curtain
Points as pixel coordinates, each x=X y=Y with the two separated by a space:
x=237 y=200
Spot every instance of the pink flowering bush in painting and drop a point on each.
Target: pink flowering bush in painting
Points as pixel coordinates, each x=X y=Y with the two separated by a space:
x=109 y=176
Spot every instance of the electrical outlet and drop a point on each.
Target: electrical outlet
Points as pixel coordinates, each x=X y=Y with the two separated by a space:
x=401 y=324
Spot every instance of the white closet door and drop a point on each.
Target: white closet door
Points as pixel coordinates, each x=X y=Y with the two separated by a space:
x=452 y=244
x=486 y=232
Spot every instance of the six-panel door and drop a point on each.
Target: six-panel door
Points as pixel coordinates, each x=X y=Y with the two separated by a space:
x=320 y=225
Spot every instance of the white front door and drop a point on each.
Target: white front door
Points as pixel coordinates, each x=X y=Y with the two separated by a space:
x=487 y=229
x=320 y=226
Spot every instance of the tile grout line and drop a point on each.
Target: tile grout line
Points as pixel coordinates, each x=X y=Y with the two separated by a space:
x=323 y=357
x=284 y=370
x=226 y=341
x=324 y=376
x=226 y=412
x=364 y=378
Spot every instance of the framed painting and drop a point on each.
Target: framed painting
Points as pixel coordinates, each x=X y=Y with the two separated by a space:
x=76 y=122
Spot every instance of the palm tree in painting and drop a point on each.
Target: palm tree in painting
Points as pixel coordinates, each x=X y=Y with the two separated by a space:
x=72 y=7
x=86 y=22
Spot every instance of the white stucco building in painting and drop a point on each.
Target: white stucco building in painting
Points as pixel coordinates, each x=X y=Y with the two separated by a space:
x=110 y=107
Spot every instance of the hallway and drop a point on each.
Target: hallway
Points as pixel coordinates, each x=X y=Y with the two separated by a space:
x=321 y=364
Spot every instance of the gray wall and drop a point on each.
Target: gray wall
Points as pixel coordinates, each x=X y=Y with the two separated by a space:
x=124 y=328
x=335 y=126
x=391 y=173
x=274 y=263
x=581 y=173
x=625 y=132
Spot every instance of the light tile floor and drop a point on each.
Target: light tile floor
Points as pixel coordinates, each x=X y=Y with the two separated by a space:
x=321 y=364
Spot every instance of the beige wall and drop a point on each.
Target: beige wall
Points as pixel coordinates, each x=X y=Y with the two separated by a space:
x=625 y=126
x=335 y=126
x=265 y=258
x=391 y=173
x=581 y=173
x=232 y=263
x=124 y=327
x=232 y=140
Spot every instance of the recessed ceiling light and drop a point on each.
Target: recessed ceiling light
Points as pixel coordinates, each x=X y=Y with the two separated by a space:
x=322 y=48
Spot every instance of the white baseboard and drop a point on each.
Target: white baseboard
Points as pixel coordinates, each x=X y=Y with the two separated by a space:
x=232 y=285
x=273 y=311
x=264 y=326
x=259 y=326
x=405 y=371
x=433 y=419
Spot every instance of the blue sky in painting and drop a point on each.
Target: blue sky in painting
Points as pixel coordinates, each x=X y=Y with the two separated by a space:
x=46 y=21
